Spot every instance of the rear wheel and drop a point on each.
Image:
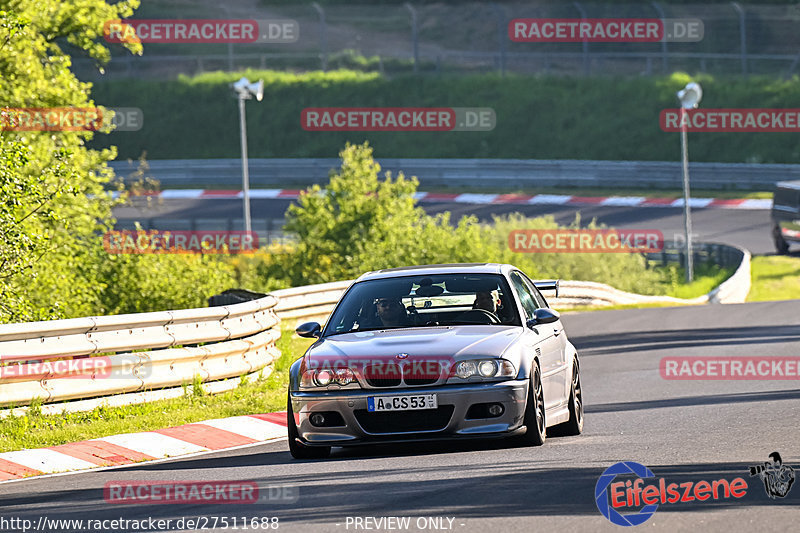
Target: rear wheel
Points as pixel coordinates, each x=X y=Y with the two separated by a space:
x=781 y=246
x=534 y=412
x=298 y=450
x=574 y=426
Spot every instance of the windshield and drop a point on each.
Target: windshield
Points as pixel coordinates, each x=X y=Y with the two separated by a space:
x=425 y=301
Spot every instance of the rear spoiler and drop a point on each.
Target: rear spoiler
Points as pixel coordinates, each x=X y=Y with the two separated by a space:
x=547 y=285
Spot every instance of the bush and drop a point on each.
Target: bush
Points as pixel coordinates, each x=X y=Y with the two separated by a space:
x=361 y=223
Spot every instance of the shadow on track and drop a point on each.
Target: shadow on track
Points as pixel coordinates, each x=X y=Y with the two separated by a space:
x=683 y=338
x=480 y=491
x=715 y=399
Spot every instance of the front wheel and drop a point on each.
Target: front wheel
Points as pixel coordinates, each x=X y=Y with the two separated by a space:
x=534 y=419
x=574 y=426
x=298 y=450
x=781 y=246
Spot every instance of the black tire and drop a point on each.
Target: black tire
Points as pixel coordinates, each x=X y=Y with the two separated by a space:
x=298 y=450
x=573 y=426
x=534 y=419
x=781 y=246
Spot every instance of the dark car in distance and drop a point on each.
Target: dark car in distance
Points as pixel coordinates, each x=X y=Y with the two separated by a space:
x=786 y=215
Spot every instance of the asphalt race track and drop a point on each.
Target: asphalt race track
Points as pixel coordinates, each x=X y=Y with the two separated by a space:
x=682 y=430
x=750 y=229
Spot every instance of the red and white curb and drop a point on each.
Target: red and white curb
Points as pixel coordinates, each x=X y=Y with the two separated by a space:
x=129 y=448
x=484 y=199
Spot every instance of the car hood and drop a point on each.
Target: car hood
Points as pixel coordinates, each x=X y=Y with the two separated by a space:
x=456 y=342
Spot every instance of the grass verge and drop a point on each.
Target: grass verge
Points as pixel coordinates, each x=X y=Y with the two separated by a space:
x=35 y=430
x=774 y=277
x=706 y=277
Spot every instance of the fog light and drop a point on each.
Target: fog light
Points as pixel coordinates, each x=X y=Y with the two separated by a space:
x=317 y=419
x=496 y=409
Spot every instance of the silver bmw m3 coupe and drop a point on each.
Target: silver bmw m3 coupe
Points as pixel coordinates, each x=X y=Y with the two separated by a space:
x=431 y=353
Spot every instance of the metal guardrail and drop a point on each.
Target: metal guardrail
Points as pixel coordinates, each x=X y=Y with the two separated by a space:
x=485 y=174
x=110 y=357
x=98 y=356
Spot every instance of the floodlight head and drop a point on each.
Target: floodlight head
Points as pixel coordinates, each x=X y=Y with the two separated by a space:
x=258 y=89
x=247 y=89
x=690 y=95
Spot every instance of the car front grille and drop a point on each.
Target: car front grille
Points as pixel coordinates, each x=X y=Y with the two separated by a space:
x=405 y=421
x=383 y=376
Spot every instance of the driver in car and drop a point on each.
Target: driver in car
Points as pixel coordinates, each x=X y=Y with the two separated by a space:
x=486 y=300
x=392 y=312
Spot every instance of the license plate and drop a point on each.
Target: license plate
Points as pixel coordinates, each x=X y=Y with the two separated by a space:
x=401 y=403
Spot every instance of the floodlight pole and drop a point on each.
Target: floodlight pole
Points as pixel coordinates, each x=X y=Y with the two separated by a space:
x=687 y=213
x=245 y=172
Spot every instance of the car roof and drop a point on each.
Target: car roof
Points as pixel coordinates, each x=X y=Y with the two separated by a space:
x=788 y=185
x=432 y=270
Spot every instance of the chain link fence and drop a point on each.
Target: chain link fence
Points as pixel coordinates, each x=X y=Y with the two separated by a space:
x=474 y=38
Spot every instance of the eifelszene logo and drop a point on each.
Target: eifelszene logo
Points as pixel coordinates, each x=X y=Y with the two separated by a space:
x=613 y=496
x=777 y=477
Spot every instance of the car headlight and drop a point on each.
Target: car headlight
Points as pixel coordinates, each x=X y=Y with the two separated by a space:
x=465 y=369
x=487 y=369
x=484 y=368
x=324 y=377
x=345 y=376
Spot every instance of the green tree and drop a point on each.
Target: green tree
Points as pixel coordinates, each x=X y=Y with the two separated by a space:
x=54 y=202
x=360 y=222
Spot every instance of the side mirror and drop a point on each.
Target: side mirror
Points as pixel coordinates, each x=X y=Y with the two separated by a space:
x=543 y=315
x=311 y=330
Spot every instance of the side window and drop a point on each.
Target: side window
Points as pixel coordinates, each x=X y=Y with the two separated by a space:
x=537 y=296
x=525 y=296
x=788 y=199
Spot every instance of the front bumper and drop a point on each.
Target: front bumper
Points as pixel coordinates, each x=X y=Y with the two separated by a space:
x=448 y=421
